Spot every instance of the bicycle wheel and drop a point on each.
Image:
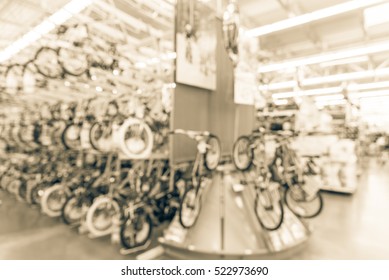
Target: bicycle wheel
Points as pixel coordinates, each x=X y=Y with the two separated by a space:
x=269 y=209
x=302 y=204
x=136 y=231
x=13 y=79
x=98 y=139
x=47 y=64
x=242 y=154
x=213 y=154
x=72 y=211
x=74 y=62
x=53 y=200
x=135 y=139
x=13 y=186
x=190 y=207
x=36 y=194
x=71 y=137
x=23 y=190
x=95 y=134
x=99 y=218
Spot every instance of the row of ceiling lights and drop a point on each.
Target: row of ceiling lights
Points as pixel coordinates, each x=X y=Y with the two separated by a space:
x=373 y=15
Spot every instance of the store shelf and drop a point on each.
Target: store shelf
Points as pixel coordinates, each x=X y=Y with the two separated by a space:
x=214 y=236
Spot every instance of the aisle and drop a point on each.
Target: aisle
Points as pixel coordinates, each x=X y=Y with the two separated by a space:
x=354 y=227
x=350 y=227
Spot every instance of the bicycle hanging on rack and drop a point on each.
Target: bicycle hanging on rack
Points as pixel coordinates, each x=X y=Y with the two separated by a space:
x=208 y=156
x=268 y=207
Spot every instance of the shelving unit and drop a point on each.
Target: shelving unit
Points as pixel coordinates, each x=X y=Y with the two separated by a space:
x=214 y=235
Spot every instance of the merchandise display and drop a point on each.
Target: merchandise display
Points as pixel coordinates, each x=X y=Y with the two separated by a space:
x=193 y=129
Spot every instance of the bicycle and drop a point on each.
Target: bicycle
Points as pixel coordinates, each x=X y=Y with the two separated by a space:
x=303 y=200
x=268 y=207
x=208 y=156
x=150 y=207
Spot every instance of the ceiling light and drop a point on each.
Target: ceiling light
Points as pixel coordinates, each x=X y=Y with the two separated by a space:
x=280 y=102
x=375 y=15
x=370 y=94
x=329 y=97
x=346 y=77
x=376 y=85
x=311 y=17
x=330 y=103
x=346 y=61
x=307 y=92
x=329 y=56
x=276 y=86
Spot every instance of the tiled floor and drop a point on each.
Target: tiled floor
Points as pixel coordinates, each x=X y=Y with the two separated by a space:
x=350 y=227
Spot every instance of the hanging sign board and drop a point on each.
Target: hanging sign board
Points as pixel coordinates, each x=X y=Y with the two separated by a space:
x=196 y=44
x=245 y=88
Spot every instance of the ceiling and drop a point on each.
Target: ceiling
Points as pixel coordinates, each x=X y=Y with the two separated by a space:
x=18 y=16
x=142 y=22
x=331 y=33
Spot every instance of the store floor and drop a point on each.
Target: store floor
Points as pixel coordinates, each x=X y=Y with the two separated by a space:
x=350 y=227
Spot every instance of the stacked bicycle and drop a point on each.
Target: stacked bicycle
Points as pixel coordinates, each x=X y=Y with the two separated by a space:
x=284 y=171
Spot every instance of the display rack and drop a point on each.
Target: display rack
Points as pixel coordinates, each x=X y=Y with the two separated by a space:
x=214 y=235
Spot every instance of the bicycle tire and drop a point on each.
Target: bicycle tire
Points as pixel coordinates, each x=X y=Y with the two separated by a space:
x=235 y=154
x=23 y=190
x=261 y=222
x=148 y=141
x=297 y=213
x=69 y=205
x=13 y=186
x=34 y=194
x=45 y=201
x=64 y=64
x=129 y=222
x=91 y=225
x=93 y=141
x=182 y=205
x=13 y=89
x=49 y=74
x=64 y=137
x=215 y=147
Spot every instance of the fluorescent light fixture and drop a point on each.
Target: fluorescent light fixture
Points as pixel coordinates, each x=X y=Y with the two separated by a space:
x=311 y=17
x=329 y=56
x=329 y=97
x=280 y=102
x=376 y=15
x=370 y=94
x=376 y=85
x=277 y=86
x=311 y=92
x=351 y=60
x=330 y=103
x=47 y=25
x=337 y=78
x=346 y=77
